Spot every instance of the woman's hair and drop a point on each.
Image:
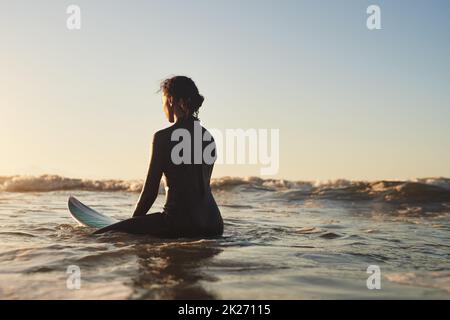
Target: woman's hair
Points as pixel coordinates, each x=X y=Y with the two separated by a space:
x=184 y=88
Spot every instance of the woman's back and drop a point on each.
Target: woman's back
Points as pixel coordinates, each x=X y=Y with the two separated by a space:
x=187 y=164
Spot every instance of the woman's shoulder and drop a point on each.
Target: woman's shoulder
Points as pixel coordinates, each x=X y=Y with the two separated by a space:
x=164 y=135
x=161 y=136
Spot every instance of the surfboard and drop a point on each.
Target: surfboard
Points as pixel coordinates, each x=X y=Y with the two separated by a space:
x=88 y=217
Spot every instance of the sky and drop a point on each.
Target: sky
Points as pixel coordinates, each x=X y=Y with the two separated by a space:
x=349 y=102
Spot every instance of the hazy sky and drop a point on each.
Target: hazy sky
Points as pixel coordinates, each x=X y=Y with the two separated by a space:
x=349 y=102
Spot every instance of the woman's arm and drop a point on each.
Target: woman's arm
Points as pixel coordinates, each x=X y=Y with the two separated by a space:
x=151 y=186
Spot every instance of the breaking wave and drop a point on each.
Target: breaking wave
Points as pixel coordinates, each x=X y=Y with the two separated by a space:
x=417 y=190
x=48 y=183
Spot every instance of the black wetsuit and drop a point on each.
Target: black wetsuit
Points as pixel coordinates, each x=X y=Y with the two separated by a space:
x=190 y=209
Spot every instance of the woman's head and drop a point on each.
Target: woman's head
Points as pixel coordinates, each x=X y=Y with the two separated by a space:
x=180 y=97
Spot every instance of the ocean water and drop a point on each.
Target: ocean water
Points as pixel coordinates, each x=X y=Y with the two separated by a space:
x=283 y=240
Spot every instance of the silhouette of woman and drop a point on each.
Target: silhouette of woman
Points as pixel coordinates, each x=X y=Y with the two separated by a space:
x=190 y=209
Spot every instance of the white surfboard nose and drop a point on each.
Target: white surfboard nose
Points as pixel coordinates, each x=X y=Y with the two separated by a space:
x=87 y=216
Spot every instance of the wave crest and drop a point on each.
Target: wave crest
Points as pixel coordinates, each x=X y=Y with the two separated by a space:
x=47 y=183
x=418 y=190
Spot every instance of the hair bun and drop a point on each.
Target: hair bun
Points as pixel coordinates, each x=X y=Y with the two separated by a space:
x=199 y=100
x=182 y=87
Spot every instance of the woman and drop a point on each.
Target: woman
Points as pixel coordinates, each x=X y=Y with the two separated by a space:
x=190 y=209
